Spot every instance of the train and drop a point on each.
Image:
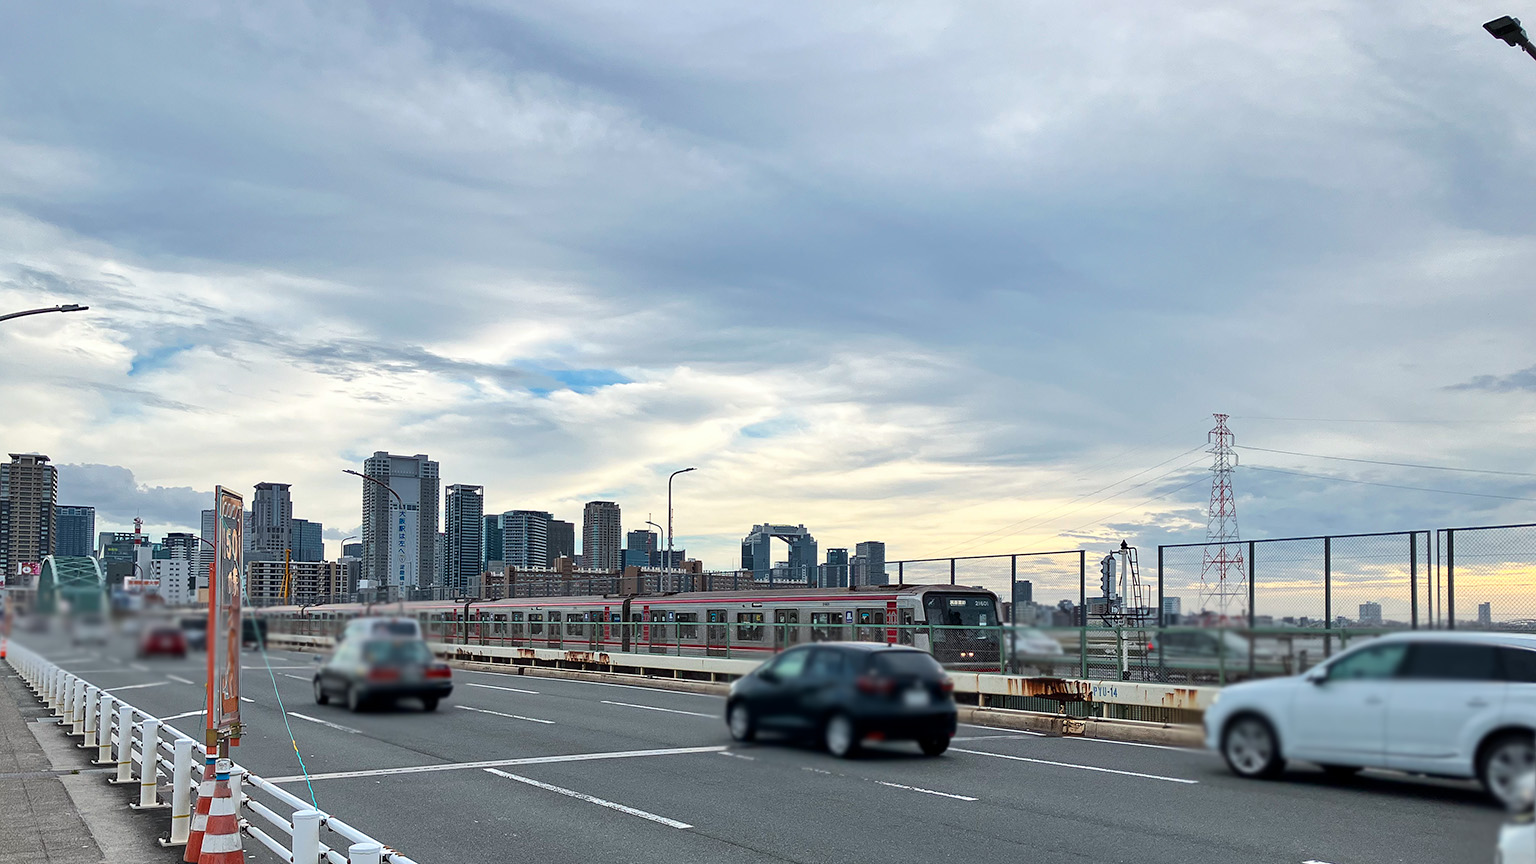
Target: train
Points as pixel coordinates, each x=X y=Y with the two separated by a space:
x=959 y=625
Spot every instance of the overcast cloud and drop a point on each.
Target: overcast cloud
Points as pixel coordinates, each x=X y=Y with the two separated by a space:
x=919 y=272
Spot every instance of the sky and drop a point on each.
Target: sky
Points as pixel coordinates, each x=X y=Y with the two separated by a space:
x=966 y=278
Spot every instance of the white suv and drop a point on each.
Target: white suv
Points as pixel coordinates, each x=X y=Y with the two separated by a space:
x=1444 y=703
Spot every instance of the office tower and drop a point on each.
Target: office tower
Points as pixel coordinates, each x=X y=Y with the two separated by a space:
x=490 y=541
x=870 y=564
x=601 y=536
x=400 y=535
x=642 y=549
x=74 y=528
x=102 y=539
x=308 y=540
x=757 y=552
x=1370 y=614
x=271 y=522
x=525 y=539
x=29 y=491
x=180 y=546
x=175 y=579
x=1485 y=614
x=352 y=550
x=562 y=540
x=440 y=556
x=1023 y=592
x=1172 y=609
x=464 y=517
x=210 y=531
x=835 y=574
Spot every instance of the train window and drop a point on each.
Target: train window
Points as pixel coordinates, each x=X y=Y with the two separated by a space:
x=687 y=625
x=871 y=623
x=574 y=625
x=714 y=632
x=536 y=623
x=498 y=625
x=786 y=629
x=749 y=626
x=826 y=626
x=904 y=635
x=515 y=624
x=659 y=626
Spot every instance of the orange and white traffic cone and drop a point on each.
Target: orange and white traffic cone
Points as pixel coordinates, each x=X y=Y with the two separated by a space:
x=221 y=839
x=200 y=813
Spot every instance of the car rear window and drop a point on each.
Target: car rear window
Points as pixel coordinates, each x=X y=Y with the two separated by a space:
x=394 y=628
x=396 y=651
x=1519 y=665
x=907 y=664
x=1451 y=662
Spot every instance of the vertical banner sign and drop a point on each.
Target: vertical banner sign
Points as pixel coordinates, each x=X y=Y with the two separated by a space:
x=224 y=617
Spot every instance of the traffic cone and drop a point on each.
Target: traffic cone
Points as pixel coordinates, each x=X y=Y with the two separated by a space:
x=221 y=839
x=200 y=813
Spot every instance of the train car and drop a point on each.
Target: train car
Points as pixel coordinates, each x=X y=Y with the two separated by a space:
x=959 y=625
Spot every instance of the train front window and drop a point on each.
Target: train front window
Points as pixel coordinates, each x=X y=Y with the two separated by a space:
x=961 y=610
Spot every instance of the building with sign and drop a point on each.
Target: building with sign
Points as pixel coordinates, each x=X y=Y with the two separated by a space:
x=602 y=538
x=400 y=524
x=74 y=530
x=29 y=491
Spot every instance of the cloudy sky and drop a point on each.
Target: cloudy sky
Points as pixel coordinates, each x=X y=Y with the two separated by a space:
x=962 y=277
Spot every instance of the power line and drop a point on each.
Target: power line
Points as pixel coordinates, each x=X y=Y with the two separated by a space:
x=1394 y=464
x=1367 y=420
x=1200 y=479
x=1387 y=485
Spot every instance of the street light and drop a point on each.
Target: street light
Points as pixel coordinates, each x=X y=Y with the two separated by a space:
x=667 y=564
x=1509 y=30
x=398 y=500
x=68 y=307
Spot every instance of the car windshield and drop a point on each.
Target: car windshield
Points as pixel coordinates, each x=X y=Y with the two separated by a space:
x=394 y=652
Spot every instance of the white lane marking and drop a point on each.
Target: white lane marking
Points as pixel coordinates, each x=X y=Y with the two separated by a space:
x=737 y=756
x=1152 y=746
x=494 y=687
x=296 y=677
x=139 y=666
x=926 y=791
x=1312 y=861
x=988 y=738
x=325 y=723
x=1078 y=767
x=180 y=680
x=654 y=708
x=1000 y=729
x=590 y=799
x=497 y=763
x=137 y=686
x=247 y=699
x=816 y=770
x=625 y=686
x=265 y=668
x=183 y=714
x=510 y=716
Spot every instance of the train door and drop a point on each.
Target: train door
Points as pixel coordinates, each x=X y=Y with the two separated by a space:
x=871 y=627
x=890 y=622
x=786 y=628
x=626 y=617
x=556 y=633
x=715 y=634
x=908 y=626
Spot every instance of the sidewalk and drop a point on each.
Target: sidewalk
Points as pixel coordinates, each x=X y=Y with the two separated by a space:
x=39 y=821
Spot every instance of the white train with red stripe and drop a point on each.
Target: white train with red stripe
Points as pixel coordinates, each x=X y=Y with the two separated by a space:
x=958 y=624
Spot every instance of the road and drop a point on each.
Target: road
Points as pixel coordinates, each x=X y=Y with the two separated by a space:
x=589 y=772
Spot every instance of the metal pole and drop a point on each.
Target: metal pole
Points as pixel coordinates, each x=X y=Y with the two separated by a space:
x=951 y=571
x=149 y=766
x=1013 y=588
x=1082 y=609
x=306 y=837
x=181 y=794
x=124 y=745
x=67 y=308
x=1450 y=578
x=901 y=573
x=1252 y=619
x=1413 y=580
x=1327 y=594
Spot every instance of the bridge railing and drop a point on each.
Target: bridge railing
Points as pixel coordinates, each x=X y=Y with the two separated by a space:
x=144 y=749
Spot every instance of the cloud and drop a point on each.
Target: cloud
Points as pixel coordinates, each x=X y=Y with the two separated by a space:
x=1525 y=379
x=119 y=498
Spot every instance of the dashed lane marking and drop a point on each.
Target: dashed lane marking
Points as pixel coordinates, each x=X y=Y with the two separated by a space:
x=336 y=726
x=590 y=799
x=498 y=763
x=988 y=738
x=654 y=708
x=1077 y=767
x=137 y=686
x=180 y=680
x=296 y=677
x=1000 y=729
x=494 y=687
x=737 y=756
x=926 y=791
x=509 y=716
x=247 y=699
x=139 y=666
x=183 y=714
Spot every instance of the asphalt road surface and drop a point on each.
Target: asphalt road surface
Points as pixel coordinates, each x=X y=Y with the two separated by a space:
x=590 y=772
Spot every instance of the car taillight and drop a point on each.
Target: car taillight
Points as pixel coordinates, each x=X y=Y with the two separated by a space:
x=383 y=673
x=947 y=687
x=439 y=672
x=871 y=684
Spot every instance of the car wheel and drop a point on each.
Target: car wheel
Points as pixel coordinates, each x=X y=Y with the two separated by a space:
x=739 y=718
x=320 y=695
x=354 y=699
x=1341 y=772
x=934 y=746
x=1503 y=761
x=429 y=703
x=839 y=736
x=1250 y=747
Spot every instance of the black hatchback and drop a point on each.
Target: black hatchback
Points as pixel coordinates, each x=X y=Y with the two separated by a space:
x=845 y=693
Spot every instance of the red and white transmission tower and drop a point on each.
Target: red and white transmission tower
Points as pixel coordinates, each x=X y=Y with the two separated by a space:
x=1223 y=576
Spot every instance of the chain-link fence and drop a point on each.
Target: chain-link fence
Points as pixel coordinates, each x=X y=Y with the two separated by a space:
x=1486 y=577
x=1032 y=585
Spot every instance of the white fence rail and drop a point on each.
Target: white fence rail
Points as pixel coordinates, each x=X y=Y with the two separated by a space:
x=143 y=750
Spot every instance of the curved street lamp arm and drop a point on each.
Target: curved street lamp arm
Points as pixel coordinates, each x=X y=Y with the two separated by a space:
x=68 y=307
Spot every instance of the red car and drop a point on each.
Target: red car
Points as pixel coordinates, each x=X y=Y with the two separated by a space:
x=162 y=640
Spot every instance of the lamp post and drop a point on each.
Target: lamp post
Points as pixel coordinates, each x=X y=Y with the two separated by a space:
x=658 y=549
x=1509 y=30
x=68 y=307
x=667 y=564
x=398 y=500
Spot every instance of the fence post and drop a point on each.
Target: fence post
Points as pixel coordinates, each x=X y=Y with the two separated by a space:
x=951 y=571
x=1013 y=589
x=1327 y=594
x=124 y=745
x=1162 y=616
x=78 y=710
x=1082 y=609
x=1450 y=578
x=306 y=837
x=181 y=794
x=149 y=766
x=1252 y=618
x=1413 y=580
x=364 y=853
x=104 y=731
x=92 y=697
x=901 y=573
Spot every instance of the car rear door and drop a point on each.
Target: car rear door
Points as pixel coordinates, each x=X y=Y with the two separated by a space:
x=1442 y=690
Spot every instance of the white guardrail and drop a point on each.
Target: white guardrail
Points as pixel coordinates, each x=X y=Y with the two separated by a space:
x=144 y=749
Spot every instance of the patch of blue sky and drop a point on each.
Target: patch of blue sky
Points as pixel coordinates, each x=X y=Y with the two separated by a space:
x=769 y=428
x=149 y=361
x=577 y=380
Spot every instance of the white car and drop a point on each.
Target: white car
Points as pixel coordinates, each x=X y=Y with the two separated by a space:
x=1447 y=704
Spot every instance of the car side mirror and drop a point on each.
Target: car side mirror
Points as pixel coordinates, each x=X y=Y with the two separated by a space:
x=1317 y=675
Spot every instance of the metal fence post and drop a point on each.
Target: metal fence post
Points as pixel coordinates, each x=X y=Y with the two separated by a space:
x=124 y=745
x=1327 y=594
x=1082 y=609
x=92 y=698
x=1413 y=580
x=1450 y=578
x=901 y=573
x=104 y=731
x=364 y=853
x=77 y=709
x=306 y=837
x=1013 y=589
x=149 y=766
x=1252 y=617
x=1162 y=616
x=951 y=571
x=181 y=794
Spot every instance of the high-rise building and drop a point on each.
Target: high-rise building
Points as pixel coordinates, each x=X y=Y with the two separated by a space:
x=490 y=540
x=181 y=546
x=464 y=517
x=175 y=579
x=74 y=530
x=400 y=535
x=562 y=540
x=642 y=547
x=869 y=564
x=205 y=552
x=308 y=540
x=835 y=574
x=601 y=536
x=1173 y=607
x=29 y=491
x=271 y=522
x=757 y=552
x=525 y=538
x=1485 y=614
x=1370 y=614
x=1023 y=592
x=440 y=556
x=352 y=550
